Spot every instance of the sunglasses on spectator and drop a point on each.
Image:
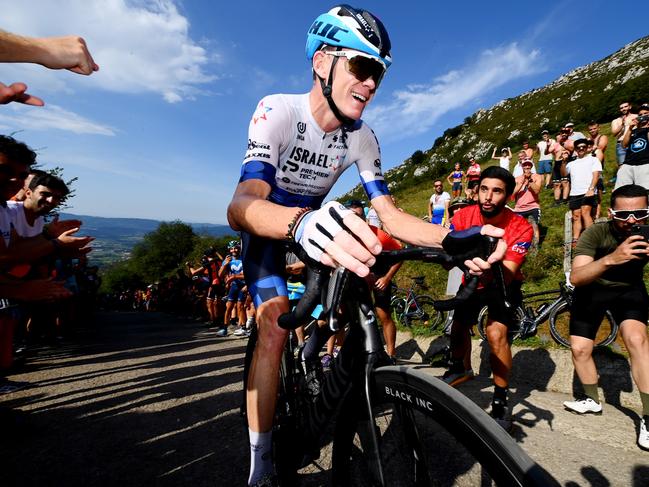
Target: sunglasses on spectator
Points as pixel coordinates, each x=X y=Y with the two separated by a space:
x=437 y=185
x=361 y=65
x=624 y=215
x=582 y=147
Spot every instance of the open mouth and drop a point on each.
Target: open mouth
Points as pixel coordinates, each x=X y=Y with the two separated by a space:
x=359 y=97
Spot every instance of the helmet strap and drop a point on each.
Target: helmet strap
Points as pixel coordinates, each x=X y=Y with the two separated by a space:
x=327 y=91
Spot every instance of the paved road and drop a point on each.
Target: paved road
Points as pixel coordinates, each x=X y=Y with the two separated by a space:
x=144 y=399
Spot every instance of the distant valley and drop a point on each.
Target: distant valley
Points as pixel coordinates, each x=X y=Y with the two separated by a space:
x=115 y=237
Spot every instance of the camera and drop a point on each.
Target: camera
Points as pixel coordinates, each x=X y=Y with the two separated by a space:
x=641 y=230
x=643 y=119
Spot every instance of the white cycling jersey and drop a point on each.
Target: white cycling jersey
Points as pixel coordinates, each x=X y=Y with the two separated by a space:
x=301 y=162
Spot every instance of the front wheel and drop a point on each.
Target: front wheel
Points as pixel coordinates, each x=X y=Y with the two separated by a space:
x=428 y=434
x=560 y=327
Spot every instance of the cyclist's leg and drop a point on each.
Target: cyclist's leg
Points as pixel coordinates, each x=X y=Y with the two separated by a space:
x=382 y=306
x=263 y=264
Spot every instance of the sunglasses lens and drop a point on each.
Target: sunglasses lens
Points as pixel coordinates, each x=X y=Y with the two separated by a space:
x=636 y=214
x=364 y=68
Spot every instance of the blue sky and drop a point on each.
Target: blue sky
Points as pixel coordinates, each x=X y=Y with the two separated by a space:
x=160 y=131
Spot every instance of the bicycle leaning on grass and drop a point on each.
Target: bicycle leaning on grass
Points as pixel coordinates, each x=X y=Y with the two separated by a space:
x=389 y=425
x=554 y=306
x=410 y=308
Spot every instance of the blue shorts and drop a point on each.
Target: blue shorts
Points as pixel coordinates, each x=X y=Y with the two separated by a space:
x=264 y=267
x=457 y=186
x=235 y=293
x=545 y=166
x=620 y=152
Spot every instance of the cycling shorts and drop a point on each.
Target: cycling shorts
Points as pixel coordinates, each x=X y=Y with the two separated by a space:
x=457 y=186
x=467 y=313
x=590 y=303
x=236 y=291
x=264 y=267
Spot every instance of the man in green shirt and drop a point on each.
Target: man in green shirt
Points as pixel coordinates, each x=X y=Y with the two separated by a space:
x=607 y=272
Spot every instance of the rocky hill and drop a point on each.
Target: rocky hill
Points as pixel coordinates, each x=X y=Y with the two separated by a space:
x=591 y=92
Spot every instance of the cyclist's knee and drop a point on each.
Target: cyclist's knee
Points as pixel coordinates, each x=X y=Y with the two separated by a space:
x=270 y=334
x=496 y=333
x=581 y=351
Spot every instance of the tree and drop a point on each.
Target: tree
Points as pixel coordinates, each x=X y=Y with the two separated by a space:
x=163 y=251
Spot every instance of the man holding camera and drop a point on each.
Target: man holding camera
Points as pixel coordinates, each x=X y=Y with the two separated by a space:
x=526 y=195
x=607 y=272
x=635 y=169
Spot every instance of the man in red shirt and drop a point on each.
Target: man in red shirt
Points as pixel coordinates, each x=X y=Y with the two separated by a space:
x=495 y=187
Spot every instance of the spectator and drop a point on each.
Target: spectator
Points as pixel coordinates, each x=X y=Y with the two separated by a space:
x=560 y=183
x=505 y=157
x=584 y=173
x=69 y=53
x=607 y=273
x=233 y=268
x=618 y=128
x=526 y=194
x=635 y=140
x=472 y=178
x=529 y=152
x=518 y=168
x=438 y=204
x=455 y=180
x=545 y=158
x=495 y=187
x=572 y=135
x=382 y=276
x=599 y=143
x=20 y=195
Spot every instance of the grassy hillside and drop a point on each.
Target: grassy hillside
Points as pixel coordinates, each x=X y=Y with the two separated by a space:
x=591 y=92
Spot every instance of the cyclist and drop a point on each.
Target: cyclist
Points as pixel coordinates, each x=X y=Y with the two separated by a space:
x=233 y=267
x=298 y=145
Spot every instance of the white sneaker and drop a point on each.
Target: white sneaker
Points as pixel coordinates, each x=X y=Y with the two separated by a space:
x=643 y=436
x=240 y=331
x=583 y=406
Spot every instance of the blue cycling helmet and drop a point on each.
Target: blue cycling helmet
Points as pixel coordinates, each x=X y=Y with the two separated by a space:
x=345 y=26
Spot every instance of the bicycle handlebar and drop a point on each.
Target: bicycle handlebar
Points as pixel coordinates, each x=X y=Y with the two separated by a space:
x=326 y=285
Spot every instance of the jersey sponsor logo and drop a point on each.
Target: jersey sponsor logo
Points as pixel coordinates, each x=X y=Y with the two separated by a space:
x=313 y=174
x=305 y=156
x=329 y=31
x=254 y=155
x=253 y=144
x=638 y=145
x=377 y=162
x=301 y=127
x=338 y=142
x=261 y=112
x=521 y=247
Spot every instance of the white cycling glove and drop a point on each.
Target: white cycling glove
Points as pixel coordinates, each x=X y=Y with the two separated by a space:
x=318 y=228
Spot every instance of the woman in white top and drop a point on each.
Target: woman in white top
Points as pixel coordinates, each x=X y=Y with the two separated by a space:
x=505 y=157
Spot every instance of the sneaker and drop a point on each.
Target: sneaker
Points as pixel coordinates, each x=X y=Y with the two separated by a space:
x=583 y=406
x=456 y=377
x=267 y=480
x=223 y=332
x=643 y=436
x=326 y=360
x=241 y=332
x=500 y=414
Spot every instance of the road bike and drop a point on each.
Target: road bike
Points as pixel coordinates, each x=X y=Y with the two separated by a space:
x=410 y=308
x=388 y=425
x=553 y=306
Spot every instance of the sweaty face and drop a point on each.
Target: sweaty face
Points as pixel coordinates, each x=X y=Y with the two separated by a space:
x=492 y=197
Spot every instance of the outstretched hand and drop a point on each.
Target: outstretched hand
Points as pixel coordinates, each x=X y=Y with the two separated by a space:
x=18 y=92
x=69 y=52
x=477 y=266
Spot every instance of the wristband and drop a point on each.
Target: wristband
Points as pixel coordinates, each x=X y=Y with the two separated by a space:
x=290 y=232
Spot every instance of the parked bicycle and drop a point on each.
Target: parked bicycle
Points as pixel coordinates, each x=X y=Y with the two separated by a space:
x=392 y=425
x=410 y=308
x=553 y=306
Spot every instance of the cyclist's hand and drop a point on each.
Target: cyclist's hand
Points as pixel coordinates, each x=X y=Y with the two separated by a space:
x=633 y=248
x=334 y=235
